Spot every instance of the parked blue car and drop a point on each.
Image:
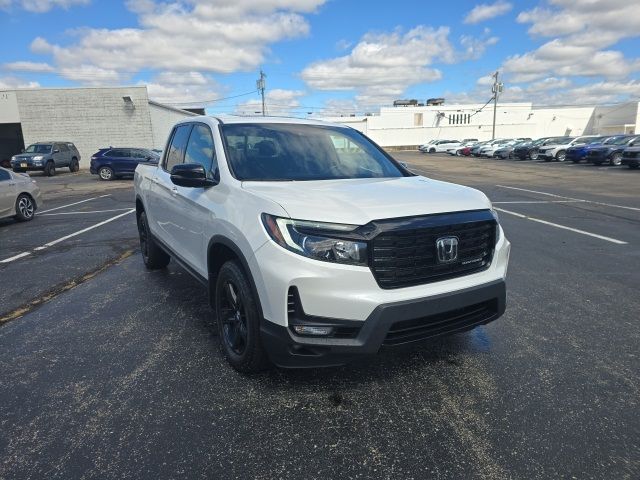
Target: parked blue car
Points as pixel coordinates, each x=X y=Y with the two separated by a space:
x=579 y=152
x=114 y=162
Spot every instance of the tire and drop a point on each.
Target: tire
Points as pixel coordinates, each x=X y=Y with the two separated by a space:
x=106 y=174
x=533 y=155
x=238 y=320
x=561 y=156
x=50 y=169
x=432 y=150
x=74 y=166
x=25 y=208
x=153 y=256
x=616 y=159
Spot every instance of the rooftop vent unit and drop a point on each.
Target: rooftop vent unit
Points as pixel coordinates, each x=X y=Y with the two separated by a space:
x=435 y=101
x=405 y=103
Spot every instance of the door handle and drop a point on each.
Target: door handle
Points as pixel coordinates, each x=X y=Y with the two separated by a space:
x=11 y=184
x=174 y=191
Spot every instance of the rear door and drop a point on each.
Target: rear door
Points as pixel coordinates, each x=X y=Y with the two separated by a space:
x=7 y=193
x=59 y=155
x=120 y=158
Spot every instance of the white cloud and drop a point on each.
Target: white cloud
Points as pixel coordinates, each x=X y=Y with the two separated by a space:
x=180 y=36
x=192 y=38
x=41 y=6
x=486 y=11
x=278 y=102
x=382 y=65
x=31 y=67
x=184 y=88
x=475 y=47
x=10 y=83
x=560 y=57
x=583 y=31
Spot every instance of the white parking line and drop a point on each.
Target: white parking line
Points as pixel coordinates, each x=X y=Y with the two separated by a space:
x=16 y=257
x=84 y=213
x=66 y=237
x=72 y=204
x=564 y=227
x=536 y=201
x=570 y=198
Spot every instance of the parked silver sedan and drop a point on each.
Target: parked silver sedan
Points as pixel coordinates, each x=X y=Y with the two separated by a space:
x=19 y=195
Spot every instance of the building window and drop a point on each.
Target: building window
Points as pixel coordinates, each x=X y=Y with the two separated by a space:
x=417 y=119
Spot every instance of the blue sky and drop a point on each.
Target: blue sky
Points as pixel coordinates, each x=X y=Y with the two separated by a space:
x=326 y=56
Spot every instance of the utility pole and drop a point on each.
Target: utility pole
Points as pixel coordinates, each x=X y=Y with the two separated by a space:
x=260 y=85
x=497 y=90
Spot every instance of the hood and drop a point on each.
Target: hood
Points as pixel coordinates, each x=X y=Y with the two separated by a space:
x=28 y=155
x=359 y=201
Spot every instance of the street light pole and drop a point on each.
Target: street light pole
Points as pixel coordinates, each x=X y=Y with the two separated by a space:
x=261 y=84
x=496 y=89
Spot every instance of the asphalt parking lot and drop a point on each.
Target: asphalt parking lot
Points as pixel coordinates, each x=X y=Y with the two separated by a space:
x=110 y=371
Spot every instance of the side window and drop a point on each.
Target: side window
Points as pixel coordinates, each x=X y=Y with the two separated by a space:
x=63 y=147
x=4 y=175
x=175 y=152
x=117 y=153
x=200 y=148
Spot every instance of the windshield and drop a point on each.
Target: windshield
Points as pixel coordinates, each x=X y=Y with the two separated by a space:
x=558 y=140
x=39 y=148
x=282 y=152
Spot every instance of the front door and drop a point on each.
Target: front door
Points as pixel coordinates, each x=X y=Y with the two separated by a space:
x=198 y=206
x=164 y=215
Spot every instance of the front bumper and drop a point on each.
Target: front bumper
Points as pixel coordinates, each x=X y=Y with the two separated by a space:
x=24 y=166
x=389 y=325
x=635 y=161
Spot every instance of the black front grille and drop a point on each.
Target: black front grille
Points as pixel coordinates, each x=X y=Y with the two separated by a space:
x=405 y=257
x=445 y=323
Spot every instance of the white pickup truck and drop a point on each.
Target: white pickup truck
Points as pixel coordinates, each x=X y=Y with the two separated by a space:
x=315 y=245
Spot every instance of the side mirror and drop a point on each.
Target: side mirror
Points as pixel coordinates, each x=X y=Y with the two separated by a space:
x=403 y=164
x=191 y=175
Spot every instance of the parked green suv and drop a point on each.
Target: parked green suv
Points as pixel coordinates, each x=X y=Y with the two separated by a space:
x=47 y=157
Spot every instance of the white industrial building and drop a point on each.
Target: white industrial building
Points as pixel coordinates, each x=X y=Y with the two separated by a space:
x=414 y=125
x=91 y=118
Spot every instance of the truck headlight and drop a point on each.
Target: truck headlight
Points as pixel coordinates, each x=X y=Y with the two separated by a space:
x=316 y=240
x=495 y=215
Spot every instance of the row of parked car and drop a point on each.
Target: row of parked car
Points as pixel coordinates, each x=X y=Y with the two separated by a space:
x=108 y=163
x=599 y=150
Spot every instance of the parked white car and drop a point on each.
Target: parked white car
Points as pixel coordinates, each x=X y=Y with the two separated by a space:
x=441 y=146
x=316 y=246
x=425 y=146
x=558 y=151
x=489 y=150
x=19 y=195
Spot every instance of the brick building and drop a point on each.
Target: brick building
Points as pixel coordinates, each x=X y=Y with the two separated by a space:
x=89 y=117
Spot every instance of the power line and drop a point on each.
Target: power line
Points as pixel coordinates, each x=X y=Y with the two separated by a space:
x=211 y=101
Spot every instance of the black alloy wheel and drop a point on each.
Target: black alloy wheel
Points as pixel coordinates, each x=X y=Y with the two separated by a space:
x=239 y=319
x=152 y=255
x=233 y=316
